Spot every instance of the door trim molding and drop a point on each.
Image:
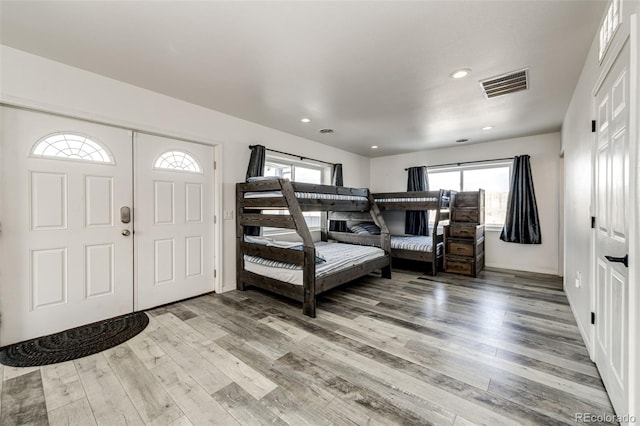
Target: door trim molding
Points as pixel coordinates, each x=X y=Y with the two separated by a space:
x=103 y=122
x=634 y=224
x=632 y=37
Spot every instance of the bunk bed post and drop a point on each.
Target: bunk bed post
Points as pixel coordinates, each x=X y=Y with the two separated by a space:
x=239 y=238
x=324 y=226
x=385 y=235
x=435 y=237
x=309 y=282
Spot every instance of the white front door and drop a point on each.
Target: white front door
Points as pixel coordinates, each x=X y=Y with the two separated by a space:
x=612 y=232
x=64 y=260
x=174 y=220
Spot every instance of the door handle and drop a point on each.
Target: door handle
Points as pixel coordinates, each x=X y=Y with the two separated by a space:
x=624 y=260
x=125 y=214
x=126 y=232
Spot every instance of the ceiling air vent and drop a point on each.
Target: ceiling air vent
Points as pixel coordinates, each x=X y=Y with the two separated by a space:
x=506 y=83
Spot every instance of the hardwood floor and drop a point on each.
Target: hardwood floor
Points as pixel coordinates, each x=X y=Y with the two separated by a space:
x=502 y=348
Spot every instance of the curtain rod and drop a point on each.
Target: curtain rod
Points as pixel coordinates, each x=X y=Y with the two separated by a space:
x=469 y=162
x=294 y=155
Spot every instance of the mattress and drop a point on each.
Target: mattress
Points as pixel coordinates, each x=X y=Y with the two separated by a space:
x=413 y=243
x=406 y=200
x=306 y=195
x=338 y=257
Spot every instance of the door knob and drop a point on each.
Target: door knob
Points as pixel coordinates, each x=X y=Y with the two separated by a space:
x=126 y=232
x=624 y=260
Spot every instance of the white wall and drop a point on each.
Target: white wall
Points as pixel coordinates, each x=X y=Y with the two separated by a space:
x=576 y=142
x=33 y=81
x=388 y=174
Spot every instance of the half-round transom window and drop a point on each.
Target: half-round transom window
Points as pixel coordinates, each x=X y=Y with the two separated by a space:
x=178 y=160
x=71 y=146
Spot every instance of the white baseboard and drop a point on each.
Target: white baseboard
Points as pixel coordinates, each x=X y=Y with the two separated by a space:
x=585 y=336
x=549 y=271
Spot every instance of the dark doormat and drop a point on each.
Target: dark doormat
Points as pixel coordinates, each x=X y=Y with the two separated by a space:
x=75 y=343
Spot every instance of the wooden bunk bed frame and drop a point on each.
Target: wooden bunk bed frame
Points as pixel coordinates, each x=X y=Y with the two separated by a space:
x=249 y=213
x=440 y=205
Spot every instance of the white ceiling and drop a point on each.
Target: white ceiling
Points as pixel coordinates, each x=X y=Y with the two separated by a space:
x=375 y=72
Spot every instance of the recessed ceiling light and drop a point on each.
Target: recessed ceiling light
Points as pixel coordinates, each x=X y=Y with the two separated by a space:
x=487 y=128
x=461 y=73
x=374 y=146
x=305 y=120
x=462 y=140
x=325 y=131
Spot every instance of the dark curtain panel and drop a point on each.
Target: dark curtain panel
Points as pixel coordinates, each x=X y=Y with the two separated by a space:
x=522 y=224
x=256 y=168
x=417 y=222
x=256 y=161
x=336 y=180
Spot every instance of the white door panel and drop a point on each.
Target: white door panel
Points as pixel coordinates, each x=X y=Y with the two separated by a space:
x=612 y=198
x=174 y=220
x=63 y=259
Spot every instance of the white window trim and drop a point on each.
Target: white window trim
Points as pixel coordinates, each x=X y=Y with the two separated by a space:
x=609 y=27
x=492 y=227
x=324 y=169
x=168 y=169
x=94 y=140
x=310 y=164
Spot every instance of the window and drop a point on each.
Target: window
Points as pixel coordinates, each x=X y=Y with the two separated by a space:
x=71 y=146
x=296 y=171
x=179 y=161
x=493 y=178
x=611 y=22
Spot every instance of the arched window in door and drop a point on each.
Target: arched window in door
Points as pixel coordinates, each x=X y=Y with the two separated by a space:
x=71 y=146
x=178 y=161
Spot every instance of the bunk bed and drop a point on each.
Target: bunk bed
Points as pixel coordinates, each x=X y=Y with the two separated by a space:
x=413 y=247
x=303 y=270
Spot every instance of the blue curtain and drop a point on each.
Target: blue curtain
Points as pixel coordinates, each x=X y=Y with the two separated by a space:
x=522 y=224
x=417 y=222
x=255 y=168
x=336 y=180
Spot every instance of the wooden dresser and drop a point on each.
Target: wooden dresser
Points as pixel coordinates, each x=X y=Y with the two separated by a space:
x=464 y=236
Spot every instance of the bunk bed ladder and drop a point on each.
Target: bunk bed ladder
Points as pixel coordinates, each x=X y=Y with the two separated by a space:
x=309 y=268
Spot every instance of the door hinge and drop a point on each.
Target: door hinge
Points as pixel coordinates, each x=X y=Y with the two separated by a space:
x=215 y=165
x=593 y=222
x=593 y=317
x=215 y=273
x=215 y=219
x=593 y=126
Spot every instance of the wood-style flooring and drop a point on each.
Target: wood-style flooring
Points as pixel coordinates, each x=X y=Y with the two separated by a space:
x=500 y=349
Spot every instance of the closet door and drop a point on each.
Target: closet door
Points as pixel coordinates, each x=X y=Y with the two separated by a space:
x=174 y=220
x=65 y=253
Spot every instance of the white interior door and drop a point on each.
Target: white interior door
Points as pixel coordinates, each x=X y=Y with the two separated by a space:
x=64 y=261
x=612 y=232
x=174 y=220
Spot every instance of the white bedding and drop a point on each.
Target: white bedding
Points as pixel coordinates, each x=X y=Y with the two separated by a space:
x=406 y=200
x=412 y=242
x=307 y=195
x=338 y=257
